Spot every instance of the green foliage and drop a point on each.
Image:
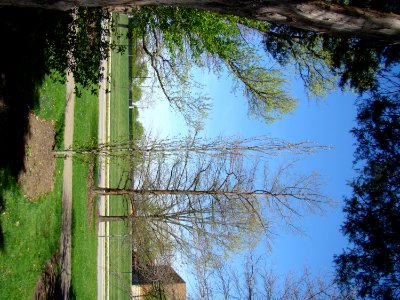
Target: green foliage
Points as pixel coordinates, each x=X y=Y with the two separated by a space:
x=137 y=127
x=53 y=42
x=177 y=40
x=371 y=264
x=69 y=41
x=88 y=46
x=139 y=69
x=322 y=59
x=303 y=51
x=136 y=93
x=149 y=244
x=139 y=75
x=359 y=62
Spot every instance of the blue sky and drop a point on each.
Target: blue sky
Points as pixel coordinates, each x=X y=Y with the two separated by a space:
x=325 y=121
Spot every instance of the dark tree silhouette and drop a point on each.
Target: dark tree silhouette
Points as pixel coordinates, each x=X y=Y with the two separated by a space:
x=372 y=262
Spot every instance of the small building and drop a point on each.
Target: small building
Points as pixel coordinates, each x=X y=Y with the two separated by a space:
x=159 y=282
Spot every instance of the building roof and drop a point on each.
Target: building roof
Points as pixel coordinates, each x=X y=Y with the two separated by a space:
x=150 y=274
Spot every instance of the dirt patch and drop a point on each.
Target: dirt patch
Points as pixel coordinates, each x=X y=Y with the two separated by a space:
x=48 y=285
x=38 y=177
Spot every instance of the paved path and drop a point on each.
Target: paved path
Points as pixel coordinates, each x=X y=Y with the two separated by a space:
x=65 y=241
x=103 y=137
x=101 y=245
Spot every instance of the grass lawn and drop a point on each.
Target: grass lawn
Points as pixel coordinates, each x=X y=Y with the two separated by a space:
x=30 y=231
x=84 y=233
x=120 y=249
x=120 y=114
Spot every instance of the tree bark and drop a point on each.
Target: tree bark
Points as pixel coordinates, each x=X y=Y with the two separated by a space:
x=136 y=192
x=317 y=16
x=114 y=218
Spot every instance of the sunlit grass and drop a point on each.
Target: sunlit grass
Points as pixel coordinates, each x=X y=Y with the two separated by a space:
x=52 y=106
x=120 y=254
x=30 y=231
x=84 y=234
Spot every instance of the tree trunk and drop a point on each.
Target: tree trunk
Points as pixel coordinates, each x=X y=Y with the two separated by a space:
x=136 y=192
x=317 y=16
x=114 y=218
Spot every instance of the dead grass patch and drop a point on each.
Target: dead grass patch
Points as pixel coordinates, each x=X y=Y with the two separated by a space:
x=38 y=177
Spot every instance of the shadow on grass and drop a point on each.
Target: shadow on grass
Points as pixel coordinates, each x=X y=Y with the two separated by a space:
x=27 y=44
x=6 y=184
x=1 y=239
x=33 y=42
x=72 y=295
x=1 y=228
x=49 y=283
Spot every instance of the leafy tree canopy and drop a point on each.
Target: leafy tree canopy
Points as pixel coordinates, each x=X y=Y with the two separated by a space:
x=177 y=39
x=357 y=62
x=74 y=42
x=371 y=263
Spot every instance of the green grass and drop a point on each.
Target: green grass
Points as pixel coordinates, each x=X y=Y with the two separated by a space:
x=31 y=234
x=84 y=235
x=120 y=253
x=30 y=231
x=52 y=106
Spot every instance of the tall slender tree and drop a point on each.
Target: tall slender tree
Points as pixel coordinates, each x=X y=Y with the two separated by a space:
x=224 y=200
x=260 y=146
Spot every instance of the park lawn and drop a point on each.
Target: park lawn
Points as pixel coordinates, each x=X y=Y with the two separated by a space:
x=51 y=106
x=30 y=231
x=120 y=248
x=84 y=233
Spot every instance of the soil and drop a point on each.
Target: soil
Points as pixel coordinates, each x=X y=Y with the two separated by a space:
x=38 y=177
x=48 y=285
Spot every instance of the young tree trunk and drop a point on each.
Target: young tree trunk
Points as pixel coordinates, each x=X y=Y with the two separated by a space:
x=218 y=147
x=136 y=192
x=114 y=218
x=317 y=16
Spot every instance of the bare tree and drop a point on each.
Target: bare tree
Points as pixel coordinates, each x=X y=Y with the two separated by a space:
x=223 y=201
x=217 y=179
x=172 y=214
x=206 y=202
x=256 y=281
x=260 y=146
